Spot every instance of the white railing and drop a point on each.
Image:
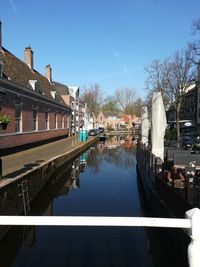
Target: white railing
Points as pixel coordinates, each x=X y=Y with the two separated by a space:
x=191 y=223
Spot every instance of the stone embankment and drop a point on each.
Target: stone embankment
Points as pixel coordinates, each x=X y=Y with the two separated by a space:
x=26 y=173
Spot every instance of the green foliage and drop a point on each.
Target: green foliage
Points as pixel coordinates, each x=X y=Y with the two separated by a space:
x=5 y=119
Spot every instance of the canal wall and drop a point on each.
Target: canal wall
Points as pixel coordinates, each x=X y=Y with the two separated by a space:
x=16 y=194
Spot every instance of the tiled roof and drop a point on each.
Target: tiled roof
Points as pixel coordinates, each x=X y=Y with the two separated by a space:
x=127 y=118
x=45 y=86
x=61 y=88
x=20 y=73
x=16 y=70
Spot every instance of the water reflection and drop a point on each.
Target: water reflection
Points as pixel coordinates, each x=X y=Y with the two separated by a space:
x=118 y=150
x=167 y=246
x=102 y=181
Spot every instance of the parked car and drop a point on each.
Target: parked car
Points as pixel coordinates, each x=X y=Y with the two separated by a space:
x=92 y=132
x=101 y=129
x=188 y=141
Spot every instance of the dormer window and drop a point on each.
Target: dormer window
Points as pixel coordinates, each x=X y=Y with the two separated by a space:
x=35 y=85
x=53 y=93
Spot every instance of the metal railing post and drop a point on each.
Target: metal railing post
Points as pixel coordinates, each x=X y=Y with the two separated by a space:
x=194 y=233
x=190 y=224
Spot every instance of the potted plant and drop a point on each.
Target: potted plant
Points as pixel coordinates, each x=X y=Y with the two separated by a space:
x=4 y=120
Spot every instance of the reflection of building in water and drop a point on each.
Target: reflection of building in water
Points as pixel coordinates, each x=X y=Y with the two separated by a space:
x=73 y=181
x=116 y=141
x=100 y=147
x=129 y=142
x=113 y=142
x=119 y=140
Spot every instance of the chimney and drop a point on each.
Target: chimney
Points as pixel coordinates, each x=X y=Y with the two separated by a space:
x=1 y=50
x=48 y=73
x=28 y=57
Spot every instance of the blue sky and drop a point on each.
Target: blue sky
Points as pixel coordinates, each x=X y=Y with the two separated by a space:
x=98 y=41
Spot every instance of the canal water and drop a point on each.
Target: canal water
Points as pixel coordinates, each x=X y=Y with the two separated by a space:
x=100 y=182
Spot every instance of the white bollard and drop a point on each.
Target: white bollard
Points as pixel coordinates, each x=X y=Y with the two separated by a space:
x=194 y=232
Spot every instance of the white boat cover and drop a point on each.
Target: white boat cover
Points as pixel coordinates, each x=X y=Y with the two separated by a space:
x=159 y=124
x=145 y=125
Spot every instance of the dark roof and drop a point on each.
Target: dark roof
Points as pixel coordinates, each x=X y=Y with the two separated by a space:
x=61 y=88
x=16 y=70
x=20 y=73
x=45 y=86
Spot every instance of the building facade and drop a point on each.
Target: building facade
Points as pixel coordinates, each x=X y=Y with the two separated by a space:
x=36 y=110
x=190 y=106
x=109 y=120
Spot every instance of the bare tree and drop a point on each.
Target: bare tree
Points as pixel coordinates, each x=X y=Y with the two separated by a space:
x=172 y=77
x=195 y=45
x=93 y=97
x=110 y=104
x=137 y=107
x=126 y=98
x=156 y=79
x=196 y=25
x=179 y=73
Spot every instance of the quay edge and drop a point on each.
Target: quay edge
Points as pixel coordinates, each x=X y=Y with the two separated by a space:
x=35 y=179
x=163 y=199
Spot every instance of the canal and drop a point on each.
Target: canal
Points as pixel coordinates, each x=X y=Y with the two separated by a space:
x=100 y=182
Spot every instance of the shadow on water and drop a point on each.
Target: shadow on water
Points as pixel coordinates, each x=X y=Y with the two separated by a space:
x=97 y=175
x=167 y=246
x=88 y=255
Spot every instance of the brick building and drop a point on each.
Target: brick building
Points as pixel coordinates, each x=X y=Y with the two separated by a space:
x=109 y=120
x=37 y=111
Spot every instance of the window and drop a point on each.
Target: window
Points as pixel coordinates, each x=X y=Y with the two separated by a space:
x=17 y=118
x=35 y=85
x=46 y=120
x=72 y=118
x=56 y=121
x=35 y=120
x=63 y=121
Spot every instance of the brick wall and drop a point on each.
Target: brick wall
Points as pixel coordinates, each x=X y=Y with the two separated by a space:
x=11 y=141
x=9 y=138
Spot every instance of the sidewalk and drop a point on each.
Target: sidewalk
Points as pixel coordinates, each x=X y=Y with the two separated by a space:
x=20 y=162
